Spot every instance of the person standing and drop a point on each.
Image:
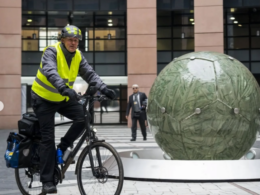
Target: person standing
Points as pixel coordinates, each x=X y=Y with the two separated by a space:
x=138 y=111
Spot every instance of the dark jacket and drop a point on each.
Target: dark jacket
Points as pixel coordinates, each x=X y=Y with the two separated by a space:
x=130 y=104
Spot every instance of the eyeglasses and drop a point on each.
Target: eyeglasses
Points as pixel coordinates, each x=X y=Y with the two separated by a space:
x=135 y=88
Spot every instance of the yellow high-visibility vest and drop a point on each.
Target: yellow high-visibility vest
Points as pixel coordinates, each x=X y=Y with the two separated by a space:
x=42 y=87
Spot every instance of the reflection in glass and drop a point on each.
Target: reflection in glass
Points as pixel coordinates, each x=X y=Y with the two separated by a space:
x=164 y=32
x=242 y=55
x=60 y=5
x=110 y=20
x=102 y=33
x=33 y=20
x=86 y=5
x=183 y=31
x=108 y=45
x=34 y=5
x=58 y=19
x=255 y=42
x=164 y=44
x=238 y=30
x=240 y=18
x=238 y=43
x=109 y=4
x=183 y=19
x=110 y=70
x=183 y=44
x=82 y=19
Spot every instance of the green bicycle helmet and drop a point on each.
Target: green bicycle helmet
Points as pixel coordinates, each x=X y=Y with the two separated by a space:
x=71 y=31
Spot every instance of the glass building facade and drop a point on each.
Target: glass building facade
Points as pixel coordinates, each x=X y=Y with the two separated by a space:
x=103 y=26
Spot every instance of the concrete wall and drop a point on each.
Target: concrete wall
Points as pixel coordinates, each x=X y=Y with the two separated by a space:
x=141 y=45
x=209 y=20
x=10 y=63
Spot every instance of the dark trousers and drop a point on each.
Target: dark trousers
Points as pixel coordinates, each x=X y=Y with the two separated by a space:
x=141 y=120
x=45 y=112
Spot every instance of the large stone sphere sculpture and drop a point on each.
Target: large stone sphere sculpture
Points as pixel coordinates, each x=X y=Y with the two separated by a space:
x=204 y=106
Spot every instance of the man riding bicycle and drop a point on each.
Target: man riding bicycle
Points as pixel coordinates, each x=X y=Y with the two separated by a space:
x=52 y=91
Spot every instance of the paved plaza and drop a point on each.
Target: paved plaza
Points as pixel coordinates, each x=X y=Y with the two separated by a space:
x=119 y=137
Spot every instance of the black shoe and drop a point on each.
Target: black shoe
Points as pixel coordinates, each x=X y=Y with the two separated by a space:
x=49 y=188
x=145 y=139
x=132 y=139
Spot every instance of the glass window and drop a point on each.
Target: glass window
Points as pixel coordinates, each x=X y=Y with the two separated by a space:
x=108 y=4
x=255 y=55
x=164 y=56
x=255 y=29
x=88 y=56
x=164 y=21
x=110 y=57
x=115 y=33
x=255 y=16
x=33 y=20
x=164 y=44
x=241 y=55
x=164 y=4
x=31 y=57
x=238 y=30
x=255 y=67
x=182 y=4
x=177 y=54
x=164 y=32
x=109 y=45
x=34 y=5
x=59 y=4
x=238 y=43
x=82 y=19
x=110 y=21
x=122 y=4
x=232 y=3
x=29 y=70
x=183 y=31
x=251 y=3
x=58 y=19
x=160 y=67
x=52 y=35
x=255 y=42
x=234 y=18
x=86 y=5
x=110 y=70
x=183 y=44
x=183 y=19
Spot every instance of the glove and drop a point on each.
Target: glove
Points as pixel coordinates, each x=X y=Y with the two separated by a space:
x=69 y=92
x=109 y=93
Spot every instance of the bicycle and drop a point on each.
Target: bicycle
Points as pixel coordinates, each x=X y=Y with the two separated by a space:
x=99 y=168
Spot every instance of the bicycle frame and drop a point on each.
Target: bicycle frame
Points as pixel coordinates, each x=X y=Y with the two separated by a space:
x=89 y=102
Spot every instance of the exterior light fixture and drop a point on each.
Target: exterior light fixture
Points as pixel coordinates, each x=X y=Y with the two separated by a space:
x=235 y=22
x=232 y=18
x=110 y=20
x=29 y=20
x=191 y=19
x=109 y=24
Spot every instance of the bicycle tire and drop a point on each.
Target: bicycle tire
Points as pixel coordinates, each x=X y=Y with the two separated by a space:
x=96 y=185
x=36 y=186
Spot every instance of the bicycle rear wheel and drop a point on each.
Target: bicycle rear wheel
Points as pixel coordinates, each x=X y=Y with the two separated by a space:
x=28 y=181
x=109 y=176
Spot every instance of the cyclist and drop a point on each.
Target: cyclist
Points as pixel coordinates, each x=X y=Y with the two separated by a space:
x=52 y=92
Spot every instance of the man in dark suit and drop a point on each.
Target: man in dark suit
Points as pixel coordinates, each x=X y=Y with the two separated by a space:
x=138 y=111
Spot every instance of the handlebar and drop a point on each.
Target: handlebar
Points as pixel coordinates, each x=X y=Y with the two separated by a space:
x=98 y=98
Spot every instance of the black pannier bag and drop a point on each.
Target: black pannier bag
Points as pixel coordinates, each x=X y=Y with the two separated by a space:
x=18 y=153
x=29 y=125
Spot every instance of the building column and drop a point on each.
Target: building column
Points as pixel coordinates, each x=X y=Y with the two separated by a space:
x=10 y=59
x=141 y=45
x=209 y=24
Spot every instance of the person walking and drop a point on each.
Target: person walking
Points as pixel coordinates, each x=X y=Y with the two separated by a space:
x=138 y=112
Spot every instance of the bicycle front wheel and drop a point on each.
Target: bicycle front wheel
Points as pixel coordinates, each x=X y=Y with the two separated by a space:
x=108 y=175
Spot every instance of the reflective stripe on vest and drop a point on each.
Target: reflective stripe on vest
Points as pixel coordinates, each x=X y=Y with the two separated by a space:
x=42 y=87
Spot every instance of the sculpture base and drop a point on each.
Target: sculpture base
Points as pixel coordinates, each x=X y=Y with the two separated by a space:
x=151 y=165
